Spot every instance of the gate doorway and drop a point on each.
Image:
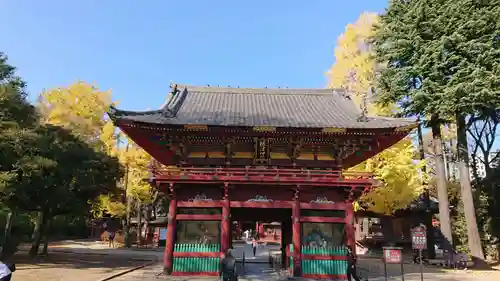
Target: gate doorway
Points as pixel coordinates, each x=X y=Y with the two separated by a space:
x=271 y=227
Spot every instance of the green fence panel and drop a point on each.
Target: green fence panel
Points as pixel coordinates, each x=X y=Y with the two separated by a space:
x=324 y=251
x=196 y=265
x=197 y=248
x=330 y=267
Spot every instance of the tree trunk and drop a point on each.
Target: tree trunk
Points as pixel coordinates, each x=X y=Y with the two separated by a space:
x=47 y=231
x=442 y=189
x=37 y=234
x=139 y=224
x=466 y=193
x=128 y=243
x=445 y=159
x=431 y=252
x=128 y=202
x=7 y=244
x=147 y=219
x=387 y=230
x=453 y=171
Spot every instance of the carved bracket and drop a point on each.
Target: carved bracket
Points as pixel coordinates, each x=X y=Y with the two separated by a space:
x=226 y=191
x=171 y=188
x=259 y=198
x=200 y=198
x=294 y=148
x=346 y=148
x=322 y=200
x=228 y=148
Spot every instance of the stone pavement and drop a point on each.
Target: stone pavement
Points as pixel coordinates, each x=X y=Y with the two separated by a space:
x=71 y=267
x=259 y=272
x=262 y=253
x=99 y=248
x=253 y=272
x=257 y=267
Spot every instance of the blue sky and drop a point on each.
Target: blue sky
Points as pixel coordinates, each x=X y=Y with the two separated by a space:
x=135 y=48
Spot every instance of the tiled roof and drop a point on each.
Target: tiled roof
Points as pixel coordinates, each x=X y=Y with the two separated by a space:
x=299 y=108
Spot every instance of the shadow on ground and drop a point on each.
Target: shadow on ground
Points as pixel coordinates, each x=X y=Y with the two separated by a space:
x=73 y=266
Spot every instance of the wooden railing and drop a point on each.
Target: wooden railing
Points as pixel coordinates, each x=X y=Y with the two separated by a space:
x=261 y=175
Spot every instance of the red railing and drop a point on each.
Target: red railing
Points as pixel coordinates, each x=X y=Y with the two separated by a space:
x=252 y=175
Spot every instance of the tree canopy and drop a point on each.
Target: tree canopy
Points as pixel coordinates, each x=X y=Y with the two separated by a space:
x=355 y=70
x=79 y=107
x=439 y=57
x=45 y=167
x=441 y=60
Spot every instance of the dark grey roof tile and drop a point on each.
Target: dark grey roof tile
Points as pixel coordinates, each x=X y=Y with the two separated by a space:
x=301 y=108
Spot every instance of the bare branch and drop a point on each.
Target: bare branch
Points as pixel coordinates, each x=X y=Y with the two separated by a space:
x=483 y=132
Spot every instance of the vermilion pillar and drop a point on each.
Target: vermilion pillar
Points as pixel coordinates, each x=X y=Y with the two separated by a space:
x=349 y=227
x=284 y=244
x=226 y=226
x=296 y=235
x=168 y=255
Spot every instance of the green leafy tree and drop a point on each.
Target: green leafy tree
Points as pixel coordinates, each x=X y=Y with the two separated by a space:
x=59 y=175
x=441 y=61
x=17 y=117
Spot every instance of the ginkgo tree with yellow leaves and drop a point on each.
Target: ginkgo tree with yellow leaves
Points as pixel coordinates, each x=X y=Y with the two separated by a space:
x=401 y=177
x=136 y=191
x=81 y=108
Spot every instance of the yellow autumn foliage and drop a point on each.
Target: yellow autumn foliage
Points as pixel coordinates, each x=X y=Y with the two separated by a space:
x=81 y=108
x=137 y=161
x=399 y=174
x=400 y=177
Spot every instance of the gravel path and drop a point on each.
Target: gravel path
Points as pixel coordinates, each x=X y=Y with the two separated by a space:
x=70 y=267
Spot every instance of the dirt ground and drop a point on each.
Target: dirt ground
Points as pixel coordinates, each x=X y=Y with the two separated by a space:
x=70 y=267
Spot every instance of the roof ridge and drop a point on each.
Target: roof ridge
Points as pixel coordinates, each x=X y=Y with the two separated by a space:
x=265 y=91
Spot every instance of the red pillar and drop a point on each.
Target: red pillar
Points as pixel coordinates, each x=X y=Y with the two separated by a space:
x=168 y=255
x=225 y=227
x=349 y=227
x=296 y=236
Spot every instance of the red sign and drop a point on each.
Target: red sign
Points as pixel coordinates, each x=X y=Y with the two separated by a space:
x=418 y=238
x=392 y=255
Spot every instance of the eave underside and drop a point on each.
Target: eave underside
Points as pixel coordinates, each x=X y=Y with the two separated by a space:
x=163 y=143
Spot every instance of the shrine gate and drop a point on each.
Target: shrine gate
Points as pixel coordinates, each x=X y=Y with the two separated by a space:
x=226 y=154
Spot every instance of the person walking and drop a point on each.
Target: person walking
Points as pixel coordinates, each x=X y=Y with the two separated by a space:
x=228 y=267
x=254 y=246
x=351 y=265
x=111 y=238
x=6 y=271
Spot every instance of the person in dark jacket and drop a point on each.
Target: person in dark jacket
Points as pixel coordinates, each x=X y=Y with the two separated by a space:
x=228 y=267
x=351 y=265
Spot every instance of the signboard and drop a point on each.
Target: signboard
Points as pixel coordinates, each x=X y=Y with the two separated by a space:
x=392 y=255
x=163 y=233
x=262 y=151
x=418 y=238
